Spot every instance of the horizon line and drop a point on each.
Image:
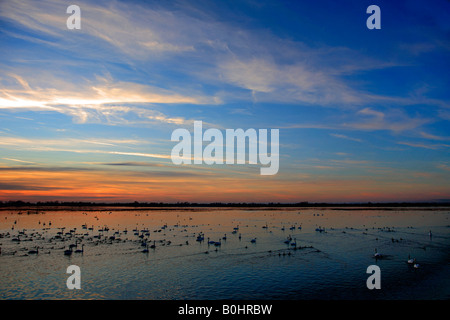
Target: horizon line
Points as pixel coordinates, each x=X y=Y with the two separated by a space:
x=437 y=202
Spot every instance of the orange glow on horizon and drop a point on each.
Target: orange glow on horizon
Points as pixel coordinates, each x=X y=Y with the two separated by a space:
x=129 y=186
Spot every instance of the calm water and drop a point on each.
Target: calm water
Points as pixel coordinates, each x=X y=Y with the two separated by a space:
x=322 y=265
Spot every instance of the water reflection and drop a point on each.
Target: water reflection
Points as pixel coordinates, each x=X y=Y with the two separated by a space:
x=225 y=253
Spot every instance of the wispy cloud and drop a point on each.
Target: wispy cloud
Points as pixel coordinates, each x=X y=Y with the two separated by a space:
x=424 y=145
x=18 y=160
x=393 y=120
x=217 y=52
x=103 y=102
x=83 y=146
x=433 y=137
x=64 y=142
x=130 y=164
x=444 y=166
x=138 y=154
x=134 y=30
x=343 y=136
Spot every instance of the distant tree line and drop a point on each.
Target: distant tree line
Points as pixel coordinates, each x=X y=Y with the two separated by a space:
x=137 y=204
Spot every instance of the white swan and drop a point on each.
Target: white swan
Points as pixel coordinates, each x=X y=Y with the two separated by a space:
x=377 y=255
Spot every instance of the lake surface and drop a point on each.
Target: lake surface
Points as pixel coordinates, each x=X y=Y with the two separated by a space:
x=327 y=264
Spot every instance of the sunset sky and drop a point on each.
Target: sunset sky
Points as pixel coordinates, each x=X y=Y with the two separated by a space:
x=363 y=115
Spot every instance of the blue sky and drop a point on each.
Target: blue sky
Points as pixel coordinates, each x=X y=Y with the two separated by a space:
x=363 y=114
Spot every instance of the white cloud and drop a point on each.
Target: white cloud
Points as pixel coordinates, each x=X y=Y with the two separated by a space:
x=205 y=51
x=105 y=101
x=82 y=146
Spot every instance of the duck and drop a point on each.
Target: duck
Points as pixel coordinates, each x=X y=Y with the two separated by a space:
x=411 y=261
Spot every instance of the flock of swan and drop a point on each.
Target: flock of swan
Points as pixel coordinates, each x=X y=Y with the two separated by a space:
x=142 y=238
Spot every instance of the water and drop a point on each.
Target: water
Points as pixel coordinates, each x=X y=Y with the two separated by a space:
x=322 y=265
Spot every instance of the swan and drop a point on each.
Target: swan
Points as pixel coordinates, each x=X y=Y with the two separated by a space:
x=288 y=239
x=34 y=251
x=200 y=238
x=68 y=252
x=253 y=240
x=145 y=250
x=377 y=255
x=411 y=261
x=80 y=250
x=73 y=245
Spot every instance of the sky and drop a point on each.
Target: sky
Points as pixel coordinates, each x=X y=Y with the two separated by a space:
x=87 y=114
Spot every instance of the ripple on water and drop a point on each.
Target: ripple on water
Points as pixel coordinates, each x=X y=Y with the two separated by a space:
x=332 y=266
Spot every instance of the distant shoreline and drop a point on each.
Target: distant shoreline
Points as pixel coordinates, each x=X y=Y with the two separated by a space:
x=34 y=208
